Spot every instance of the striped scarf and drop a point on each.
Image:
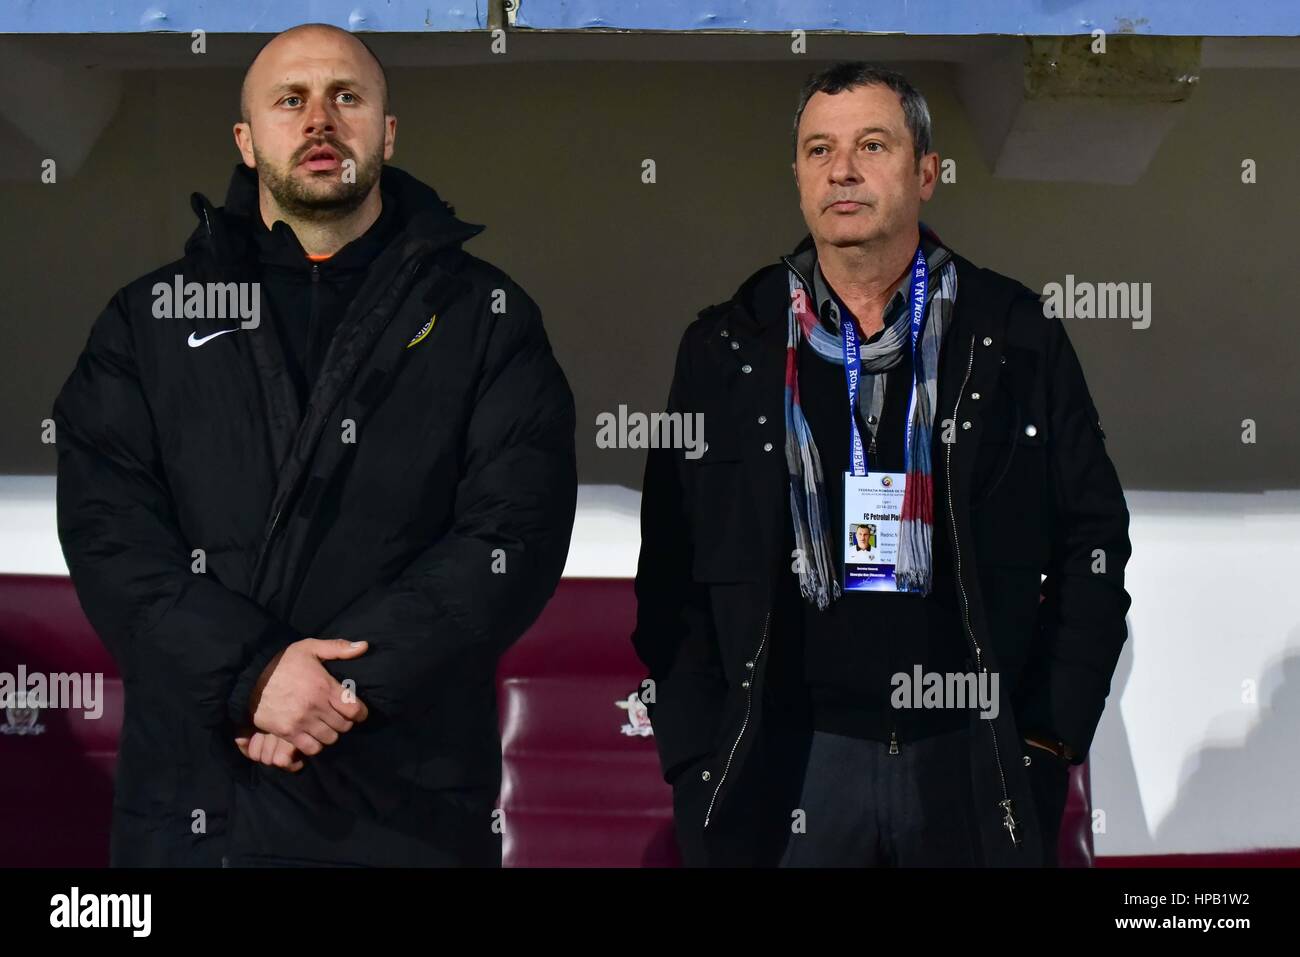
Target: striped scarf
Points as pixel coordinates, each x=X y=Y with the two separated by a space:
x=819 y=581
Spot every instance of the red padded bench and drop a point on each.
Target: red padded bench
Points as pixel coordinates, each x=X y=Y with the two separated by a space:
x=580 y=777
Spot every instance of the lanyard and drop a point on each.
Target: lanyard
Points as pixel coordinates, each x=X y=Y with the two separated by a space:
x=853 y=361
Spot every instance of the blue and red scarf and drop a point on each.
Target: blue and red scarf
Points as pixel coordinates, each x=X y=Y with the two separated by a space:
x=819 y=580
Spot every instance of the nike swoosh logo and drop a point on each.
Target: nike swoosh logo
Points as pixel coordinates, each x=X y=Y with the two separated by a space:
x=195 y=342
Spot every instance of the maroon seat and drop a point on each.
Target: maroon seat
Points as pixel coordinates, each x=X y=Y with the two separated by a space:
x=580 y=786
x=57 y=766
x=580 y=775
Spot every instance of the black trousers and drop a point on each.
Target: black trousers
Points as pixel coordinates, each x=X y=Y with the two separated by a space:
x=865 y=807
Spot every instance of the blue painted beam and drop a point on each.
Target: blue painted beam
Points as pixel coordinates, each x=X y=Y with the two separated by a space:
x=925 y=17
x=916 y=17
x=238 y=16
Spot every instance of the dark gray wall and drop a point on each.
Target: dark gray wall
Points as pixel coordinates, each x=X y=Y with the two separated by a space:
x=549 y=155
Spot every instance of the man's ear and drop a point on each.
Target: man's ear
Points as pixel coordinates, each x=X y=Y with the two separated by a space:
x=244 y=143
x=929 y=173
x=390 y=135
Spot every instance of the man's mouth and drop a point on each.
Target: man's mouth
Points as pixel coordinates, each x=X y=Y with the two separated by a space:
x=321 y=159
x=844 y=205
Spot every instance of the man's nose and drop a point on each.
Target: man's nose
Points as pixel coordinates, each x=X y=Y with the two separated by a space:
x=319 y=120
x=843 y=170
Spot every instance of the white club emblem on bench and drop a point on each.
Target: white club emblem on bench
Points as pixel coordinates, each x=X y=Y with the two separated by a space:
x=638 y=718
x=22 y=721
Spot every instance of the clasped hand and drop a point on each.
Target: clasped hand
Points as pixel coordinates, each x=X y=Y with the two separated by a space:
x=298 y=708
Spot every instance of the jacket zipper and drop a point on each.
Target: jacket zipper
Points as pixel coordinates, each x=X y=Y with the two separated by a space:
x=313 y=324
x=1008 y=813
x=752 y=667
x=275 y=520
x=311 y=337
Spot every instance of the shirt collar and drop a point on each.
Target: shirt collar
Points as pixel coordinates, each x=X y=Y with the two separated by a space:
x=828 y=304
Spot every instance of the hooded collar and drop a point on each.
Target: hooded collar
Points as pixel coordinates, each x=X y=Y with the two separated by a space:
x=230 y=232
x=279 y=245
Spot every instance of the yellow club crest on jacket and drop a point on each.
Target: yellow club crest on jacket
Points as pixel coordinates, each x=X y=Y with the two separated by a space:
x=424 y=331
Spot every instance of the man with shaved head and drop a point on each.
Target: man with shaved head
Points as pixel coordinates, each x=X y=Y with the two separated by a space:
x=315 y=476
x=292 y=161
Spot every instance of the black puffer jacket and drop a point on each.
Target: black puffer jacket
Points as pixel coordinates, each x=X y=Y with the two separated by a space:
x=1024 y=488
x=437 y=534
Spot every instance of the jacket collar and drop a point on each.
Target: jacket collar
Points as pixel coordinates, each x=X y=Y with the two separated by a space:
x=229 y=232
x=280 y=246
x=829 y=303
x=755 y=305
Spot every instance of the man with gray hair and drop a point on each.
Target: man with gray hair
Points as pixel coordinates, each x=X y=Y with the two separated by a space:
x=875 y=376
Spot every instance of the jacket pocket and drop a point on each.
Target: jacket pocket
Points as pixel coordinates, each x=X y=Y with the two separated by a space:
x=1010 y=501
x=724 y=531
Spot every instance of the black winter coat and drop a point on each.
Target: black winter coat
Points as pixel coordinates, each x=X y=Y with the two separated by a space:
x=437 y=535
x=731 y=714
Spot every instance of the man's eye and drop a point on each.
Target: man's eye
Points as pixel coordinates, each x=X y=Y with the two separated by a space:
x=351 y=97
x=813 y=151
x=878 y=146
x=291 y=101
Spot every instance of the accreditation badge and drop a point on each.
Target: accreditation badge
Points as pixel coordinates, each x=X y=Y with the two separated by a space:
x=873 y=512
